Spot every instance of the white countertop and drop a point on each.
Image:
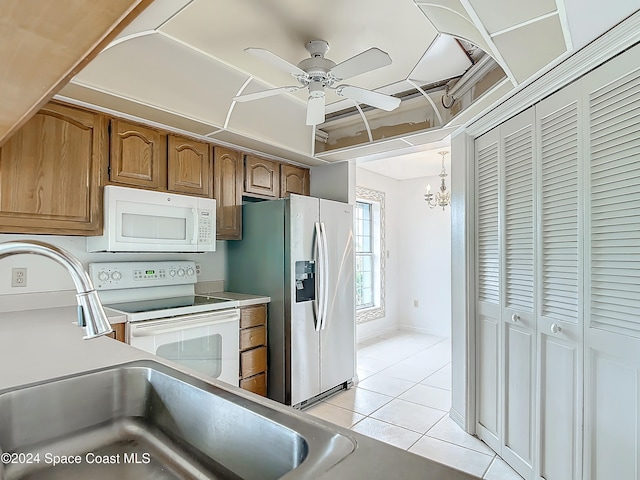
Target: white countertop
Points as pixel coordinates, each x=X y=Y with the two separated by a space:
x=36 y=345
x=244 y=299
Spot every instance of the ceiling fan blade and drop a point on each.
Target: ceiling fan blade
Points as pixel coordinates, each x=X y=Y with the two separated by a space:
x=264 y=93
x=315 y=110
x=363 y=62
x=369 y=97
x=275 y=60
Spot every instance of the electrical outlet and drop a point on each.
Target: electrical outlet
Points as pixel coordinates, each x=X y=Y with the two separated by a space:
x=18 y=277
x=198 y=269
x=416 y=304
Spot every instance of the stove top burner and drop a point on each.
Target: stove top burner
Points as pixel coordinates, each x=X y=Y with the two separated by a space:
x=167 y=303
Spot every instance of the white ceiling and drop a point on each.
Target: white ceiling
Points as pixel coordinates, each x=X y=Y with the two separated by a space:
x=182 y=61
x=426 y=163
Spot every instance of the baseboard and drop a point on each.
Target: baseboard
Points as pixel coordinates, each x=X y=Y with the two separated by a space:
x=426 y=331
x=383 y=331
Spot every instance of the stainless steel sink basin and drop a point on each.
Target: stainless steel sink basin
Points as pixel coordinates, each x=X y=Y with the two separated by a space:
x=146 y=420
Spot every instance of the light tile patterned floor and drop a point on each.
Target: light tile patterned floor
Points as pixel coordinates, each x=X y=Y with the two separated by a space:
x=403 y=398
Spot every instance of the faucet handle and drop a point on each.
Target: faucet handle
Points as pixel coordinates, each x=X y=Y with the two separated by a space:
x=82 y=321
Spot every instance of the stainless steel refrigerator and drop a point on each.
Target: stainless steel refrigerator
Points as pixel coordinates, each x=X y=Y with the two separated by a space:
x=299 y=252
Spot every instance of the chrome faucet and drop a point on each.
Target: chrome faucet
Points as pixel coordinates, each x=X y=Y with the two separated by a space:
x=90 y=312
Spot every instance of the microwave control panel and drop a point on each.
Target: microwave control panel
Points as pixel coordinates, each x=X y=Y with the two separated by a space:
x=205 y=226
x=120 y=275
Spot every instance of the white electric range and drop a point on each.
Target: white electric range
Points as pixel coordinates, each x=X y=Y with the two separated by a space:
x=167 y=318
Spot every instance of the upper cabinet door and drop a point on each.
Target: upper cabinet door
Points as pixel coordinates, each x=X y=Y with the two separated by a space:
x=227 y=165
x=262 y=177
x=293 y=180
x=189 y=167
x=50 y=173
x=138 y=156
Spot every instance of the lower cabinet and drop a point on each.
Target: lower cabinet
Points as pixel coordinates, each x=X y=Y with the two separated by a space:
x=118 y=332
x=253 y=349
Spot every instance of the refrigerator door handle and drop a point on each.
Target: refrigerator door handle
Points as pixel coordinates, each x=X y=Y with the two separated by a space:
x=325 y=275
x=319 y=254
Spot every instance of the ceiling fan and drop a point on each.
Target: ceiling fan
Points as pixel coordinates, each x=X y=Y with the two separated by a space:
x=317 y=73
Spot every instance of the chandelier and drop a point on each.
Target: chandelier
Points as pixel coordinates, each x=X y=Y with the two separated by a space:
x=442 y=198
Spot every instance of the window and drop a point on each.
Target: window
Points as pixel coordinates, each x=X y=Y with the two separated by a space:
x=369 y=248
x=364 y=256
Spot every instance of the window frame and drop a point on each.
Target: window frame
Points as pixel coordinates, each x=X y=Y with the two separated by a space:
x=377 y=200
x=369 y=254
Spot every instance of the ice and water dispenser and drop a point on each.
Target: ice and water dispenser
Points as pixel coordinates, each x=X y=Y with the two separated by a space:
x=305 y=281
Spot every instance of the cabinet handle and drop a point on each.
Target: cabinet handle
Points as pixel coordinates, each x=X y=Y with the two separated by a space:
x=555 y=328
x=515 y=318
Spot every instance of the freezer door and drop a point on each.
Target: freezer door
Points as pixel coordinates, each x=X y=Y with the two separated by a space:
x=337 y=337
x=301 y=220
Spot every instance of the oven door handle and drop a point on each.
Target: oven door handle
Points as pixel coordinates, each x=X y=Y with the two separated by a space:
x=168 y=325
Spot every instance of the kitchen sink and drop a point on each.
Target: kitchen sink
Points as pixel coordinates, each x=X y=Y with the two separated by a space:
x=147 y=420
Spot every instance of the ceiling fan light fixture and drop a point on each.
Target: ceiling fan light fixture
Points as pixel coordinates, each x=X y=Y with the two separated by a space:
x=317 y=73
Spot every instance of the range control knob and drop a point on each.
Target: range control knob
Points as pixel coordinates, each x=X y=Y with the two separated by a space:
x=181 y=272
x=103 y=276
x=190 y=272
x=116 y=276
x=172 y=273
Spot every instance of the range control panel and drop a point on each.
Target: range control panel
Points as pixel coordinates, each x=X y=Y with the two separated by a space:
x=119 y=275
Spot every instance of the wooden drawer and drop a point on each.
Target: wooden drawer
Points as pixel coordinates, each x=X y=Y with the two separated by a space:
x=253 y=362
x=253 y=316
x=253 y=337
x=256 y=384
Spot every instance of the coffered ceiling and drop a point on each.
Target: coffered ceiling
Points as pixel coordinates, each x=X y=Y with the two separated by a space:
x=182 y=61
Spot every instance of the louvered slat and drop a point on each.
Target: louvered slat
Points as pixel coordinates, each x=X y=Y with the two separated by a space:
x=559 y=199
x=518 y=155
x=615 y=203
x=487 y=222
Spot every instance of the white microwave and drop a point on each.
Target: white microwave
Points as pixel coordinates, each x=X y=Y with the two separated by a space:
x=145 y=221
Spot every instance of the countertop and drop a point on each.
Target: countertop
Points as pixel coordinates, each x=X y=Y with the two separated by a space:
x=38 y=345
x=244 y=299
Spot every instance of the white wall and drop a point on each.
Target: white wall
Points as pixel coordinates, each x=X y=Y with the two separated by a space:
x=373 y=181
x=418 y=242
x=45 y=275
x=425 y=260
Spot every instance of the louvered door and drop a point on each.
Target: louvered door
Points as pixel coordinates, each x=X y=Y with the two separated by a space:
x=559 y=326
x=518 y=325
x=612 y=316
x=488 y=287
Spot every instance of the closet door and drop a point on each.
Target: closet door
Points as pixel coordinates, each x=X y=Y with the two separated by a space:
x=518 y=320
x=488 y=339
x=559 y=324
x=612 y=316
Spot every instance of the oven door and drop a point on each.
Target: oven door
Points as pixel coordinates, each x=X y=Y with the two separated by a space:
x=205 y=342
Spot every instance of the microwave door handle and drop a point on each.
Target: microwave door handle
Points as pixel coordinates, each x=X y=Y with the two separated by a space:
x=196 y=225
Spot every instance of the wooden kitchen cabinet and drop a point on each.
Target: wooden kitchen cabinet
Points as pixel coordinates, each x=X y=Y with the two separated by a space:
x=228 y=176
x=148 y=158
x=188 y=166
x=50 y=173
x=138 y=156
x=253 y=349
x=293 y=180
x=261 y=177
x=118 y=332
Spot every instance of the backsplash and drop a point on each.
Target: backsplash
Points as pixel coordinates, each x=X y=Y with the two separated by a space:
x=45 y=275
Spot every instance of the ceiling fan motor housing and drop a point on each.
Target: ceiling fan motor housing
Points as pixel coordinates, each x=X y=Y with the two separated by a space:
x=317 y=48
